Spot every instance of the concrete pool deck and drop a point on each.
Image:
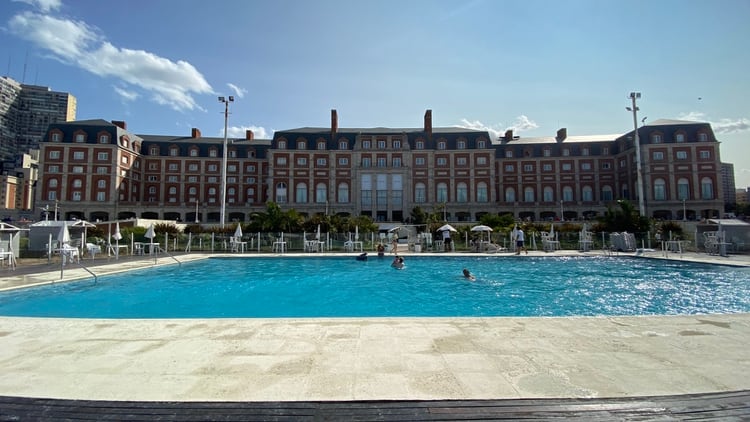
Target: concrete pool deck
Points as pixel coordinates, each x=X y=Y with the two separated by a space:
x=370 y=358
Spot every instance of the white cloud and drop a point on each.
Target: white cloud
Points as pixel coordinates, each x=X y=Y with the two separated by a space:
x=43 y=5
x=238 y=132
x=125 y=94
x=78 y=44
x=239 y=92
x=721 y=126
x=522 y=123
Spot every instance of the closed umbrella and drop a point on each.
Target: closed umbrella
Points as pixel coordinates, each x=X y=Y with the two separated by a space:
x=238 y=232
x=117 y=237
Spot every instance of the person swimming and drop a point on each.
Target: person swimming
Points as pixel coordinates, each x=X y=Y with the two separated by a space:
x=468 y=275
x=398 y=262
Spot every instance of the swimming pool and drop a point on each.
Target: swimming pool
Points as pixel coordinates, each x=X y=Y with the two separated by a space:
x=428 y=286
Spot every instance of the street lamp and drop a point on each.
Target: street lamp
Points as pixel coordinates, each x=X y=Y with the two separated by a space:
x=684 y=214
x=639 y=171
x=226 y=102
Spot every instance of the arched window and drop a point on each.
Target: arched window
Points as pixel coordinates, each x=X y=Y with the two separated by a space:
x=343 y=193
x=192 y=190
x=212 y=191
x=683 y=188
x=462 y=192
x=548 y=194
x=587 y=193
x=482 y=192
x=707 y=188
x=528 y=194
x=442 y=192
x=567 y=193
x=301 y=145
x=441 y=145
x=152 y=190
x=281 y=192
x=231 y=191
x=510 y=195
x=281 y=145
x=321 y=193
x=607 y=193
x=660 y=190
x=420 y=193
x=172 y=190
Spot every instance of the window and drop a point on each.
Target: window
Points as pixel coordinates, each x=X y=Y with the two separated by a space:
x=441 y=145
x=585 y=151
x=77 y=183
x=281 y=145
x=396 y=144
x=547 y=167
x=78 y=155
x=321 y=193
x=192 y=190
x=280 y=161
x=56 y=169
x=154 y=150
x=508 y=154
x=509 y=168
x=301 y=161
x=55 y=137
x=76 y=196
x=232 y=168
x=656 y=138
x=442 y=192
x=101 y=184
x=482 y=192
x=232 y=153
x=152 y=190
x=586 y=166
x=528 y=194
x=78 y=169
x=547 y=152
x=547 y=194
x=124 y=159
x=510 y=195
x=683 y=189
x=461 y=161
x=321 y=162
x=605 y=150
x=174 y=152
x=173 y=167
x=343 y=193
x=566 y=167
x=707 y=188
x=212 y=179
x=461 y=145
x=681 y=155
x=173 y=178
x=528 y=168
x=101 y=196
x=702 y=137
x=300 y=196
x=419 y=161
x=382 y=162
x=80 y=137
x=213 y=153
x=193 y=152
x=705 y=154
x=103 y=139
x=567 y=193
x=481 y=144
x=420 y=145
x=658 y=155
x=192 y=179
x=321 y=146
x=366 y=144
x=420 y=193
x=366 y=162
x=281 y=192
x=152 y=178
x=566 y=152
x=301 y=145
x=213 y=168
x=193 y=167
x=607 y=194
x=381 y=144
x=680 y=137
x=52 y=183
x=172 y=190
x=441 y=161
x=54 y=155
x=396 y=161
x=606 y=165
x=51 y=195
x=250 y=168
x=343 y=161
x=343 y=145
x=481 y=161
x=660 y=190
x=587 y=193
x=462 y=193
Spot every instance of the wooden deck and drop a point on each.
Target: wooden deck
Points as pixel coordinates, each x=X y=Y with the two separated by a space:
x=724 y=406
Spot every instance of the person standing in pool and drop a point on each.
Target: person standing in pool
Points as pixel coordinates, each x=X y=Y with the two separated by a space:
x=520 y=242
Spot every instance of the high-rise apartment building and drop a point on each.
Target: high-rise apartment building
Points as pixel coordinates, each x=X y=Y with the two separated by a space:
x=25 y=113
x=727 y=180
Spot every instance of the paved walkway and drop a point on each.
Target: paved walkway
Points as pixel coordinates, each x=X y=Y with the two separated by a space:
x=370 y=358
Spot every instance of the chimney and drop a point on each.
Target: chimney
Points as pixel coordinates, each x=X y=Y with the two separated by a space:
x=195 y=133
x=249 y=135
x=121 y=124
x=334 y=123
x=509 y=135
x=428 y=122
x=562 y=133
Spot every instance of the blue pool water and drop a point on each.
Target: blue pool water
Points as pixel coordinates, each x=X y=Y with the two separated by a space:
x=428 y=286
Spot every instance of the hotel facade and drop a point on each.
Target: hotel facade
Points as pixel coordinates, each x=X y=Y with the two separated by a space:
x=98 y=170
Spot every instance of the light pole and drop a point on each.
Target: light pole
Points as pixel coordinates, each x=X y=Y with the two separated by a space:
x=226 y=102
x=639 y=170
x=684 y=214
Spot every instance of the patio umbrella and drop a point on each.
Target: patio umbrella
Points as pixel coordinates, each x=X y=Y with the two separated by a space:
x=317 y=236
x=150 y=232
x=356 y=232
x=238 y=232
x=64 y=235
x=446 y=227
x=483 y=228
x=85 y=224
x=117 y=237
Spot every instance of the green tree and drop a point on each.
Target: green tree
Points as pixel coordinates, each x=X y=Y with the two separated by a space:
x=625 y=219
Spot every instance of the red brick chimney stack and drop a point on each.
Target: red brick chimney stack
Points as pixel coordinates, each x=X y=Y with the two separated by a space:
x=428 y=122
x=509 y=135
x=195 y=133
x=121 y=124
x=334 y=124
x=249 y=135
x=562 y=133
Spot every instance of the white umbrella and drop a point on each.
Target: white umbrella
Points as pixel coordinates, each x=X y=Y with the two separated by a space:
x=64 y=235
x=150 y=232
x=446 y=227
x=117 y=237
x=483 y=228
x=238 y=232
x=552 y=231
x=356 y=232
x=317 y=236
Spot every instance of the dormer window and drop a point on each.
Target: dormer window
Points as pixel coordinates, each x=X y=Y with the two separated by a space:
x=680 y=137
x=656 y=138
x=301 y=145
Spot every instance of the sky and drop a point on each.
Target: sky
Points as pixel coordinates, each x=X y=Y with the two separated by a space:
x=533 y=66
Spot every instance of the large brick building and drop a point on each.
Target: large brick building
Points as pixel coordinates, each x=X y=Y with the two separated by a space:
x=99 y=170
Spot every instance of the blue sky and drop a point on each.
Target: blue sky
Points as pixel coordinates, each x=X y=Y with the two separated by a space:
x=534 y=66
